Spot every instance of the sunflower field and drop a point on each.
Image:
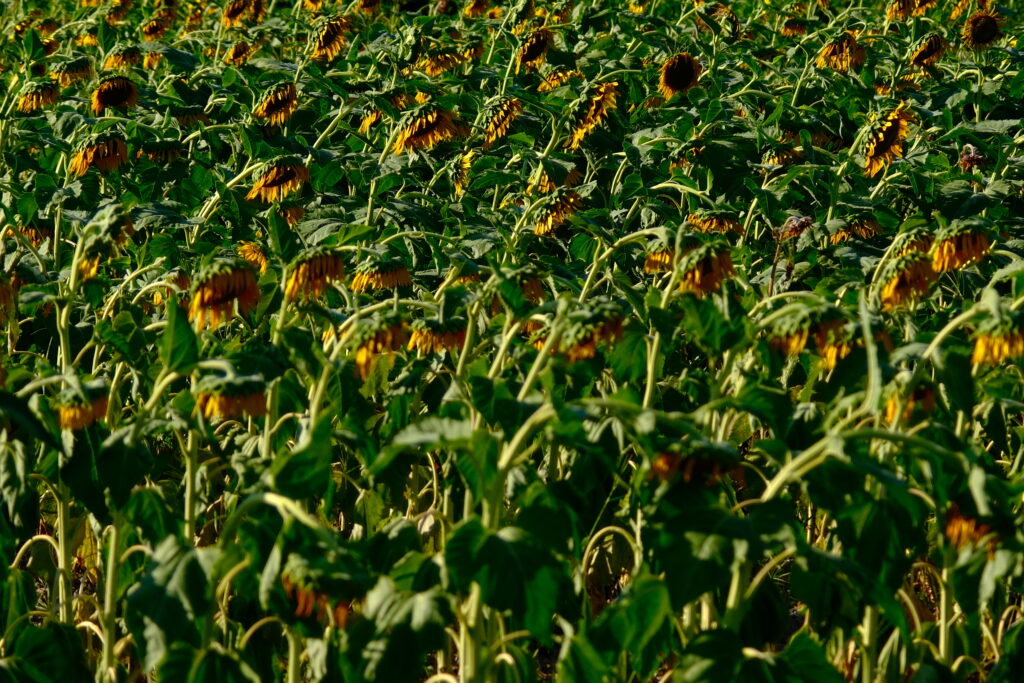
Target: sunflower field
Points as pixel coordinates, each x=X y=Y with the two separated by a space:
x=476 y=340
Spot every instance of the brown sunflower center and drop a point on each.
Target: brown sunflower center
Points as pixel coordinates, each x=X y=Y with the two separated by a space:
x=984 y=29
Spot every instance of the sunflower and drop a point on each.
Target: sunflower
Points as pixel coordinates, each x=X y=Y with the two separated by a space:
x=278 y=104
x=962 y=6
x=705 y=268
x=381 y=273
x=679 y=73
x=833 y=340
x=190 y=115
x=659 y=259
x=559 y=207
x=534 y=49
x=965 y=531
x=155 y=29
x=461 y=171
x=88 y=38
x=557 y=77
x=292 y=215
x=714 y=221
x=252 y=253
x=427 y=129
x=152 y=60
x=885 y=141
x=118 y=92
x=864 y=227
x=238 y=11
x=105 y=151
x=1000 y=337
x=502 y=114
x=306 y=586
x=789 y=333
x=929 y=50
x=435 y=336
x=122 y=57
x=601 y=322
x=280 y=177
x=590 y=111
x=545 y=184
x=311 y=272
x=793 y=27
x=907 y=278
x=368 y=6
x=842 y=53
x=330 y=37
x=981 y=29
x=921 y=400
x=476 y=8
x=436 y=62
x=216 y=290
x=239 y=52
x=903 y=83
x=913 y=240
x=231 y=398
x=378 y=336
x=70 y=71
x=76 y=412
x=177 y=281
x=959 y=244
x=34 y=234
x=36 y=95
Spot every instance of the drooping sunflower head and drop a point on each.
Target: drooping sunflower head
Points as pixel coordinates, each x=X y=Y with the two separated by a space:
x=553 y=173
x=161 y=151
x=712 y=220
x=916 y=239
x=789 y=329
x=904 y=401
x=216 y=290
x=436 y=62
x=843 y=53
x=329 y=36
x=430 y=335
x=380 y=335
x=705 y=267
x=118 y=92
x=278 y=104
x=999 y=337
x=155 y=29
x=312 y=585
x=105 y=151
x=906 y=279
x=600 y=321
x=36 y=95
x=230 y=397
x=885 y=139
x=381 y=273
x=464 y=271
x=961 y=243
x=678 y=74
x=863 y=226
x=82 y=407
x=558 y=77
x=253 y=254
x=981 y=29
x=962 y=531
x=190 y=115
x=311 y=271
x=660 y=257
x=152 y=60
x=590 y=110
x=426 y=128
x=793 y=27
x=239 y=53
x=460 y=172
x=557 y=209
x=833 y=335
x=122 y=56
x=68 y=71
x=87 y=38
x=929 y=50
x=534 y=49
x=281 y=177
x=501 y=113
x=238 y=12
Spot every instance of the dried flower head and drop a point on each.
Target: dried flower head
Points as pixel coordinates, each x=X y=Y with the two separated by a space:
x=105 y=151
x=885 y=140
x=311 y=272
x=118 y=92
x=278 y=104
x=217 y=288
x=280 y=177
x=842 y=53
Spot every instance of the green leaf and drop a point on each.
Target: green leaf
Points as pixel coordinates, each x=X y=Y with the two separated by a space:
x=179 y=348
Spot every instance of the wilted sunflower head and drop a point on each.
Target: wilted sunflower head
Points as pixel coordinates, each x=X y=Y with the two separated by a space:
x=905 y=399
x=238 y=11
x=381 y=273
x=279 y=178
x=161 y=151
x=557 y=209
x=704 y=268
x=230 y=397
x=253 y=254
x=678 y=74
x=36 y=95
x=118 y=92
x=906 y=279
x=105 y=151
x=793 y=27
x=599 y=321
x=311 y=271
x=190 y=115
x=788 y=329
x=712 y=220
x=501 y=113
x=999 y=337
x=239 y=52
x=218 y=287
x=590 y=110
x=842 y=53
x=329 y=36
x=278 y=104
x=961 y=243
x=460 y=172
x=981 y=29
x=534 y=49
x=380 y=335
x=436 y=62
x=863 y=226
x=68 y=71
x=430 y=335
x=122 y=56
x=557 y=77
x=929 y=50
x=80 y=407
x=155 y=29
x=918 y=239
x=885 y=139
x=426 y=128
